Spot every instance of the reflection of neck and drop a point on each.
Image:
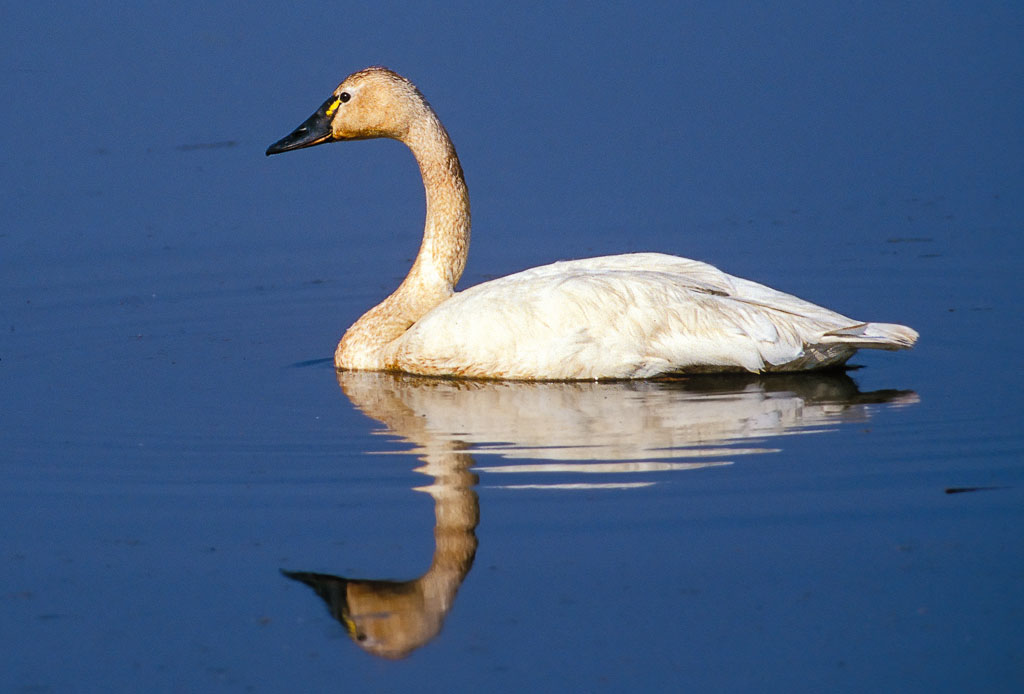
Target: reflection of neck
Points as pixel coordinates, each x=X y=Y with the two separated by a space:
x=390 y=618
x=456 y=513
x=441 y=258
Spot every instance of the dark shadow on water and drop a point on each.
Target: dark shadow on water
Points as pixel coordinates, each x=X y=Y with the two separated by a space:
x=326 y=361
x=965 y=490
x=192 y=147
x=622 y=431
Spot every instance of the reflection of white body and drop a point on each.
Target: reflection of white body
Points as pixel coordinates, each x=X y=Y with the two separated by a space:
x=629 y=316
x=611 y=427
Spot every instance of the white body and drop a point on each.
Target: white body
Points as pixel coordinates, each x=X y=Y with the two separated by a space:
x=640 y=315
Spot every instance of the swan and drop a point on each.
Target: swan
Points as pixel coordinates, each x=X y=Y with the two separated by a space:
x=632 y=316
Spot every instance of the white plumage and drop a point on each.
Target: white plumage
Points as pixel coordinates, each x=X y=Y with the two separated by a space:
x=639 y=315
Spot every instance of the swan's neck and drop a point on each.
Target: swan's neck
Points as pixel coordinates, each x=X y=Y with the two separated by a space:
x=440 y=261
x=442 y=255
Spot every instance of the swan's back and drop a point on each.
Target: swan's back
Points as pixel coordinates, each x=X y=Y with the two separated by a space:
x=630 y=316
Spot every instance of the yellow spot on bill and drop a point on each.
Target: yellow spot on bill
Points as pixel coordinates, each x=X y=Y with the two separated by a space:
x=333 y=107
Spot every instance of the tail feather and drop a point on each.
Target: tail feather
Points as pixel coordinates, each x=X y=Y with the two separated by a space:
x=873 y=336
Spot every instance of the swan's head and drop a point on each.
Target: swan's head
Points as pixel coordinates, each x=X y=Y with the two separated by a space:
x=374 y=102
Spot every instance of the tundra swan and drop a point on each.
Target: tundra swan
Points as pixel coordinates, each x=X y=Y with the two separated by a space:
x=639 y=315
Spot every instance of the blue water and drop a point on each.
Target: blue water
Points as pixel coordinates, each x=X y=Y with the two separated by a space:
x=173 y=435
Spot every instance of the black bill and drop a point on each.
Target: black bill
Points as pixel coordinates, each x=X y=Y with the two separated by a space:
x=314 y=130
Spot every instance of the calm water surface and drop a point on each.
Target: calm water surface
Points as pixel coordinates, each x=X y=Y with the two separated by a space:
x=193 y=500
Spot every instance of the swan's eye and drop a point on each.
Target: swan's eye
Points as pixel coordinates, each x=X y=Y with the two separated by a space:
x=335 y=102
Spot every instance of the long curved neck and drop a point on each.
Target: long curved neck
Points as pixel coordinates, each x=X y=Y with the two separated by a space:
x=441 y=258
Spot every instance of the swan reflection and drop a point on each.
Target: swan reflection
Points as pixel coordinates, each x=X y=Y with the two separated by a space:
x=528 y=430
x=622 y=428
